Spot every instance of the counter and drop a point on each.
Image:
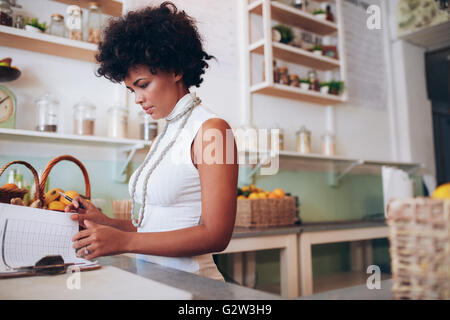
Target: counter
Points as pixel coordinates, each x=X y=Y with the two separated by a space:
x=200 y=287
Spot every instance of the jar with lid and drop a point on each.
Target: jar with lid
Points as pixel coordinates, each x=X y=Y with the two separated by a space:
x=117 y=122
x=148 y=129
x=303 y=140
x=294 y=80
x=84 y=118
x=74 y=22
x=57 y=27
x=94 y=22
x=47 y=108
x=20 y=22
x=328 y=144
x=284 y=78
x=6 y=13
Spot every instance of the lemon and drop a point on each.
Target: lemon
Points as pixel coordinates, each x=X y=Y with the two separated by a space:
x=442 y=192
x=56 y=205
x=242 y=197
x=52 y=195
x=69 y=193
x=262 y=195
x=253 y=195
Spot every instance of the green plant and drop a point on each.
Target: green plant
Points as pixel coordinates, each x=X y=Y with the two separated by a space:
x=305 y=81
x=34 y=22
x=319 y=11
x=336 y=87
x=316 y=47
x=324 y=84
x=286 y=33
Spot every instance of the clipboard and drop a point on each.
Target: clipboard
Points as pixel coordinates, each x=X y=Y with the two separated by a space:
x=48 y=265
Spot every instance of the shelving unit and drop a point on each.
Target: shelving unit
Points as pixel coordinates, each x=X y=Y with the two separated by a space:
x=124 y=148
x=431 y=38
x=275 y=11
x=48 y=44
x=110 y=7
x=336 y=166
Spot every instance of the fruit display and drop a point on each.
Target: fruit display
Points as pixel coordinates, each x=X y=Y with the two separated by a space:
x=253 y=192
x=54 y=201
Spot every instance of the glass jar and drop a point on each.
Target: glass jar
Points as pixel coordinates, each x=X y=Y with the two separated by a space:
x=94 y=22
x=6 y=13
x=117 y=122
x=294 y=80
x=148 y=129
x=47 y=108
x=57 y=27
x=328 y=144
x=74 y=22
x=20 y=22
x=280 y=139
x=303 y=140
x=84 y=118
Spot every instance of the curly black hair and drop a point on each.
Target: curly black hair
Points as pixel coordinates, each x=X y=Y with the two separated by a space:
x=162 y=38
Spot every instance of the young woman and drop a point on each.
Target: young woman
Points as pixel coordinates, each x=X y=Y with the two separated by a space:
x=187 y=184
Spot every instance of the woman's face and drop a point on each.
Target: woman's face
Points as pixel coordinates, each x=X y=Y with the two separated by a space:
x=156 y=93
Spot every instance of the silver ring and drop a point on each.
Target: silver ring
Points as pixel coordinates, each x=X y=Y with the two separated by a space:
x=86 y=251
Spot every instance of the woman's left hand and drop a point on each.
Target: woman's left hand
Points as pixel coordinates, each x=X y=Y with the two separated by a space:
x=99 y=240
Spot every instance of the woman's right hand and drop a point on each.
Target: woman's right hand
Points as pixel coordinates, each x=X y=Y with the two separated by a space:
x=89 y=212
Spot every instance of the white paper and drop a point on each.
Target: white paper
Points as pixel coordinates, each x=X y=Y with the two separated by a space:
x=29 y=234
x=396 y=185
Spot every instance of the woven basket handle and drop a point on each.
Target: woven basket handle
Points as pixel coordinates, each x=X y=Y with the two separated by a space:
x=53 y=162
x=39 y=193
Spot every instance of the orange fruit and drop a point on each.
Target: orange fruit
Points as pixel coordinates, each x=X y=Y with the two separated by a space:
x=279 y=192
x=273 y=196
x=69 y=193
x=10 y=186
x=242 y=197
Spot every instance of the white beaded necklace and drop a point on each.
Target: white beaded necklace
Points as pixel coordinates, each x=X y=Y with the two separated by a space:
x=187 y=113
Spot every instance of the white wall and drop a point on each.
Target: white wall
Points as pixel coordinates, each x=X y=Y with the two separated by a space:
x=360 y=132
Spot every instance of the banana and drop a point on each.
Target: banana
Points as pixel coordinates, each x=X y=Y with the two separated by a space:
x=52 y=195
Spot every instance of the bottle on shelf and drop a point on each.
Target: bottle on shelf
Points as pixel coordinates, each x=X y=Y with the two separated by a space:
x=330 y=16
x=12 y=176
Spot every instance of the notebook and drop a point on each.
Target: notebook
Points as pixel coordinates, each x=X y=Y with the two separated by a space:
x=29 y=234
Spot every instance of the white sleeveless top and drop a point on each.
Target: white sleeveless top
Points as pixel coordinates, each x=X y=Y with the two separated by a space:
x=173 y=198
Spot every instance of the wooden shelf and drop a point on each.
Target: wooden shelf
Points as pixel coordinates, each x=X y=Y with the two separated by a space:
x=48 y=44
x=37 y=136
x=110 y=7
x=432 y=38
x=296 y=55
x=295 y=17
x=284 y=91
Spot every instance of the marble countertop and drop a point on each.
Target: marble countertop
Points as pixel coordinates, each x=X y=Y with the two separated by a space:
x=200 y=287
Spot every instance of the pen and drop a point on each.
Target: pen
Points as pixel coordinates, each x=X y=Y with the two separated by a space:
x=70 y=199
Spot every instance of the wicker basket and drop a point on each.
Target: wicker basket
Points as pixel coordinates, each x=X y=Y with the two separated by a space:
x=420 y=248
x=7 y=194
x=265 y=212
x=53 y=162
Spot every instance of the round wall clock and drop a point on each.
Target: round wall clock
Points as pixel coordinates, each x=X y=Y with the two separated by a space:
x=7 y=108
